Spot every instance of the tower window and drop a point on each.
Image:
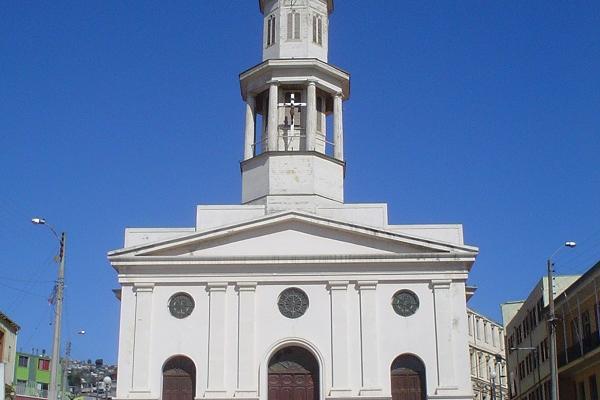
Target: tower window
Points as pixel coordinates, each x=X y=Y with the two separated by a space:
x=270 y=30
x=318 y=29
x=293 y=25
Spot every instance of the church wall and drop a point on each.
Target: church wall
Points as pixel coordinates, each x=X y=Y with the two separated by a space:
x=394 y=335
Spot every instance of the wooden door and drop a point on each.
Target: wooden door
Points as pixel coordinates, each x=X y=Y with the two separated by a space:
x=291 y=386
x=177 y=385
x=407 y=385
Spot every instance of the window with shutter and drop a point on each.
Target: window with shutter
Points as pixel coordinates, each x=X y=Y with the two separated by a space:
x=293 y=25
x=320 y=31
x=290 y=25
x=296 y=26
x=270 y=36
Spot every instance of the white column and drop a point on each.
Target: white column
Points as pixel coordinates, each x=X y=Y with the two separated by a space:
x=247 y=385
x=250 y=132
x=2 y=380
x=311 y=116
x=368 y=339
x=339 y=338
x=142 y=329
x=273 y=123
x=444 y=342
x=338 y=128
x=216 y=339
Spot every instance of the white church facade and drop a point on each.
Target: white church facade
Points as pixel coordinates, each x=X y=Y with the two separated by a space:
x=294 y=294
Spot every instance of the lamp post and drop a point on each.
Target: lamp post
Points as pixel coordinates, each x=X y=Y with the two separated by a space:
x=107 y=385
x=552 y=325
x=493 y=383
x=60 y=284
x=498 y=359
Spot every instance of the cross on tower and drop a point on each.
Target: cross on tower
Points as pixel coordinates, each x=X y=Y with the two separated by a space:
x=293 y=106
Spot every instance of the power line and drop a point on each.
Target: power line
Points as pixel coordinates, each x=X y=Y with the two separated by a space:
x=21 y=290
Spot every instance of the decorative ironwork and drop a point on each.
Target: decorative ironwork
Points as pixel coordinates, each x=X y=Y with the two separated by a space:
x=181 y=305
x=405 y=303
x=292 y=303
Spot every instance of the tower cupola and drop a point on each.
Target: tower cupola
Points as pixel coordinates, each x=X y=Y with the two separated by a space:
x=295 y=28
x=294 y=150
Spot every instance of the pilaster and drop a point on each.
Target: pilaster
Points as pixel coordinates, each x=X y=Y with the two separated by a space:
x=339 y=338
x=216 y=340
x=444 y=337
x=371 y=386
x=141 y=345
x=247 y=385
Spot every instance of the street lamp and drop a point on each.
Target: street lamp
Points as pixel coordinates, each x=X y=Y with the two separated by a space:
x=552 y=324
x=107 y=385
x=493 y=382
x=60 y=284
x=498 y=359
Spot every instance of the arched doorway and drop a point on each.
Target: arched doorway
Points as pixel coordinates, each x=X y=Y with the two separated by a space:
x=293 y=375
x=408 y=378
x=179 y=379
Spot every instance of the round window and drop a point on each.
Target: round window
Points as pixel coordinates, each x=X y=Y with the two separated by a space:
x=181 y=305
x=292 y=303
x=405 y=303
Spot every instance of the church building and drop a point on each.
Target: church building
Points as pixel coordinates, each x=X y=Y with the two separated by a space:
x=294 y=294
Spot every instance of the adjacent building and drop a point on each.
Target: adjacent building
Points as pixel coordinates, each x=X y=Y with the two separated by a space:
x=486 y=352
x=8 y=347
x=32 y=375
x=578 y=337
x=527 y=347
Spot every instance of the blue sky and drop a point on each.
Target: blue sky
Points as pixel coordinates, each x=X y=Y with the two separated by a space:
x=116 y=114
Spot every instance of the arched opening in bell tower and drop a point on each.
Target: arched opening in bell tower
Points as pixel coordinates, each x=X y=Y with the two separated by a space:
x=294 y=126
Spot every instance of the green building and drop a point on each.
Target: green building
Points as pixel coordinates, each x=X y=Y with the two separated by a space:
x=32 y=375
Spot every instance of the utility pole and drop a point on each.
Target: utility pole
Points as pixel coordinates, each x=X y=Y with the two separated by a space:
x=60 y=285
x=552 y=324
x=552 y=328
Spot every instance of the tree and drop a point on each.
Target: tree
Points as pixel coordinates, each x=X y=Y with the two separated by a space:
x=75 y=379
x=9 y=392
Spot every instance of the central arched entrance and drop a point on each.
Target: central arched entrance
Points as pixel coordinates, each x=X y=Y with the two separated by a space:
x=293 y=375
x=179 y=379
x=408 y=378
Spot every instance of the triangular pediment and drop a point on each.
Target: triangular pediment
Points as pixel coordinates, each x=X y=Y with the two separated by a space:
x=293 y=234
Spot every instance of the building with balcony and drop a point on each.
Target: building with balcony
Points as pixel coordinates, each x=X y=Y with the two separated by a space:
x=527 y=347
x=32 y=375
x=488 y=362
x=8 y=347
x=578 y=337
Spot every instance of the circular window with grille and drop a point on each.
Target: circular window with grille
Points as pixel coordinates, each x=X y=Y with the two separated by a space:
x=405 y=303
x=292 y=303
x=181 y=305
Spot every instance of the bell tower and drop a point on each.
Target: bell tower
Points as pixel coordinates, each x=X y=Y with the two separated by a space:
x=295 y=28
x=294 y=135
